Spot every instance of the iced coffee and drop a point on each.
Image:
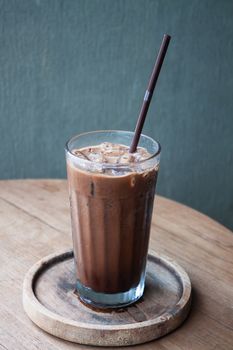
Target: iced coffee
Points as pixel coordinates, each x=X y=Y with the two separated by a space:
x=111 y=197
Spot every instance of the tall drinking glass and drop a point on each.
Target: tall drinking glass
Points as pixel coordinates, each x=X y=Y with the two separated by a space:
x=111 y=208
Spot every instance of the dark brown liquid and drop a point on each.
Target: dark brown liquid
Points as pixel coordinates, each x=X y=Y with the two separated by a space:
x=111 y=217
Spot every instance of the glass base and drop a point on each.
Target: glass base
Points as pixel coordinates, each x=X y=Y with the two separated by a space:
x=106 y=300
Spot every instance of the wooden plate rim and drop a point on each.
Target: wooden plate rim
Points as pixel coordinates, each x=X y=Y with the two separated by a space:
x=30 y=300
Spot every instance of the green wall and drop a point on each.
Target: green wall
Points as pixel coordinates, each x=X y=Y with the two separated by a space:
x=77 y=65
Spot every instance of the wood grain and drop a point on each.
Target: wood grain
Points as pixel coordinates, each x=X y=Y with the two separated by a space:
x=35 y=222
x=50 y=301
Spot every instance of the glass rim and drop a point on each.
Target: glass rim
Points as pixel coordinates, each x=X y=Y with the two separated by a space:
x=108 y=165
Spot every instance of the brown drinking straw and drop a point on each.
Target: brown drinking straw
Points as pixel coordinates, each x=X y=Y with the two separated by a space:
x=149 y=92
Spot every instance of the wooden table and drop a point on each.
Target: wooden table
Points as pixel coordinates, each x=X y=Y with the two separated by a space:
x=35 y=222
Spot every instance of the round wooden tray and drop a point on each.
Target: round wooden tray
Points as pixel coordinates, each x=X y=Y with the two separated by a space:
x=50 y=301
